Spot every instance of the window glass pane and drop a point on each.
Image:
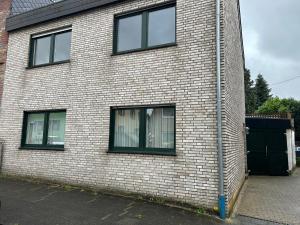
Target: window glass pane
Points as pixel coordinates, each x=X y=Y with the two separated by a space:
x=160 y=128
x=130 y=33
x=127 y=123
x=62 y=46
x=42 y=50
x=35 y=129
x=56 y=128
x=162 y=27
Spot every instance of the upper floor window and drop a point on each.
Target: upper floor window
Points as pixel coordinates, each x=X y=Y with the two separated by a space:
x=50 y=48
x=147 y=29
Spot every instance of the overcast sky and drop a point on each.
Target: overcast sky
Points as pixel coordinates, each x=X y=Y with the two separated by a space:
x=271 y=30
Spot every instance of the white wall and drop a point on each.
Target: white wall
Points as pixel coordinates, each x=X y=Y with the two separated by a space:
x=290 y=135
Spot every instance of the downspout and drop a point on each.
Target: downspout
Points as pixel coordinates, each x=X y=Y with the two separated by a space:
x=1 y=156
x=222 y=206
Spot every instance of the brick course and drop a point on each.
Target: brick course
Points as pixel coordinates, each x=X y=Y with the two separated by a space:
x=95 y=80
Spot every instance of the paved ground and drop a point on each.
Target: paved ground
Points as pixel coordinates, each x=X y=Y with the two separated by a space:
x=244 y=220
x=25 y=203
x=272 y=198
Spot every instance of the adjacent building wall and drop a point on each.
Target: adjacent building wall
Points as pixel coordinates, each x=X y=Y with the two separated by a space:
x=95 y=80
x=233 y=100
x=4 y=12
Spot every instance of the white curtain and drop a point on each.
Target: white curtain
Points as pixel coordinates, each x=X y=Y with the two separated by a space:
x=35 y=129
x=160 y=128
x=56 y=130
x=127 y=125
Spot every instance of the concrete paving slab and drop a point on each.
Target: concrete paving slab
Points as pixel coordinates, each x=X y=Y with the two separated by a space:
x=244 y=220
x=272 y=198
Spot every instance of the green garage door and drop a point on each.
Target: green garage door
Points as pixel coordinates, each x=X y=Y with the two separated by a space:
x=267 y=152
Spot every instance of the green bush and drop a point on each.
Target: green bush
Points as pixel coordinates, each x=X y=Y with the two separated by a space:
x=298 y=162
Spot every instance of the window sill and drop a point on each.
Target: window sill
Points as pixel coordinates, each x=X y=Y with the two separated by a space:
x=145 y=49
x=161 y=153
x=48 y=64
x=42 y=148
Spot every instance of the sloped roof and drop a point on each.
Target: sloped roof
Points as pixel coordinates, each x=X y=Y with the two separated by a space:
x=21 y=6
x=59 y=8
x=54 y=11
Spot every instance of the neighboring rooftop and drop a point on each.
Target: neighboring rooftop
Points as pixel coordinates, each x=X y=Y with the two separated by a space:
x=21 y=6
x=54 y=11
x=270 y=116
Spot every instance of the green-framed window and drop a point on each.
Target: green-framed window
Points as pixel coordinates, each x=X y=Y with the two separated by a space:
x=146 y=29
x=50 y=48
x=147 y=130
x=44 y=129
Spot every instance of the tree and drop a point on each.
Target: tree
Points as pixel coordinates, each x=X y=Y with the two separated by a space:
x=250 y=93
x=273 y=105
x=277 y=105
x=263 y=93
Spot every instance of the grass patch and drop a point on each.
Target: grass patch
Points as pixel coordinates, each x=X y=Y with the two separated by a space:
x=157 y=200
x=298 y=162
x=201 y=211
x=69 y=187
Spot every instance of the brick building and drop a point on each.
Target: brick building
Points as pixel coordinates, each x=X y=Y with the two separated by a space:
x=12 y=7
x=122 y=95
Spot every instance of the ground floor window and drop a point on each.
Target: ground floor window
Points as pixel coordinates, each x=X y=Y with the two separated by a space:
x=44 y=129
x=149 y=130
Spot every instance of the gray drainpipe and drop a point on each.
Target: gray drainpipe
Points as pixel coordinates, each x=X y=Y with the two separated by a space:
x=1 y=155
x=222 y=206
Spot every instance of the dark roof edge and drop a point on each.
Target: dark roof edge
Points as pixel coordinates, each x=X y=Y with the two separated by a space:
x=53 y=11
x=272 y=123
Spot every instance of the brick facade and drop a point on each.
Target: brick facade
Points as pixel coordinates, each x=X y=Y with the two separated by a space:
x=4 y=12
x=94 y=80
x=233 y=100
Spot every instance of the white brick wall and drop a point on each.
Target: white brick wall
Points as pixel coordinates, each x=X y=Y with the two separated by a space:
x=233 y=100
x=95 y=80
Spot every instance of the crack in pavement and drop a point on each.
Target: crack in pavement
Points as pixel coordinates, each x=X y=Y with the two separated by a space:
x=126 y=210
x=92 y=200
x=106 y=217
x=45 y=197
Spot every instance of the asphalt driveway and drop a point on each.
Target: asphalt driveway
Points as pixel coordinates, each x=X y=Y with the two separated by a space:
x=272 y=198
x=26 y=203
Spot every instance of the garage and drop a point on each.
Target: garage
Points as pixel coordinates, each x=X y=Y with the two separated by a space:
x=270 y=145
